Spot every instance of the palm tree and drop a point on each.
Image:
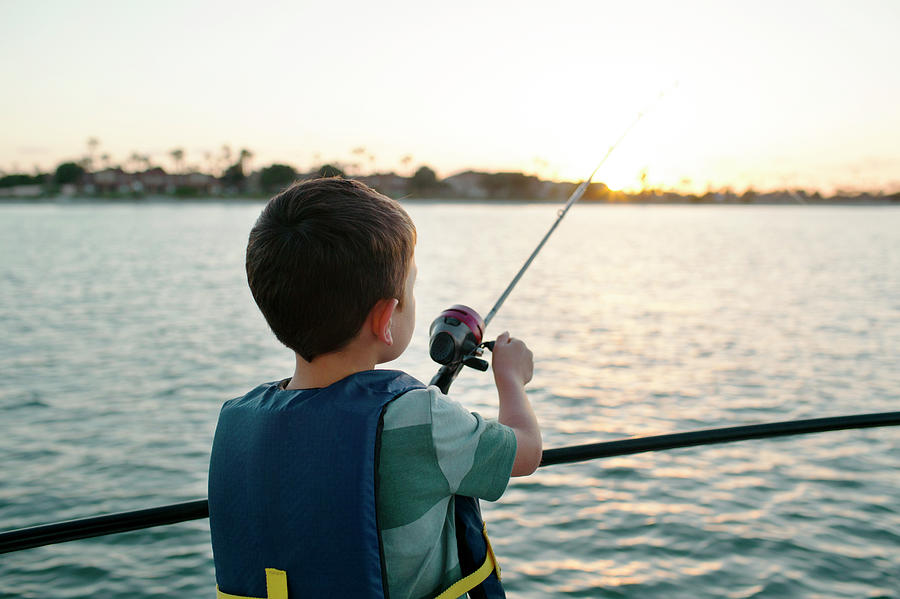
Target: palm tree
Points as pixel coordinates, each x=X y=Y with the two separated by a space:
x=178 y=158
x=135 y=161
x=406 y=160
x=92 y=143
x=358 y=152
x=245 y=158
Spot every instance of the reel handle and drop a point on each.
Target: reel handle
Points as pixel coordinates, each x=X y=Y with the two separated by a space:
x=476 y=363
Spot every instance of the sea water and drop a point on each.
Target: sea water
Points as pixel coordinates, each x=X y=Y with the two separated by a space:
x=125 y=326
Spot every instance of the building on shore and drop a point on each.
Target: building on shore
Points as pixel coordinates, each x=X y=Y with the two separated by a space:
x=154 y=181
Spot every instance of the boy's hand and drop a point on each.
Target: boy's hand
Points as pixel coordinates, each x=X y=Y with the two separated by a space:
x=512 y=361
x=513 y=366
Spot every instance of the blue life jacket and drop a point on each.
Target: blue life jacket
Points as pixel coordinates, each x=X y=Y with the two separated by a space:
x=292 y=481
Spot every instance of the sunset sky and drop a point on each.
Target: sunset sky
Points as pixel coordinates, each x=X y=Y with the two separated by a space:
x=802 y=94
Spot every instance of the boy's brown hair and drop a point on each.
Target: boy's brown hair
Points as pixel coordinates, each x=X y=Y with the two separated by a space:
x=321 y=254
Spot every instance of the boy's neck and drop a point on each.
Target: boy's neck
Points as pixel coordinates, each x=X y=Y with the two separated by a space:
x=329 y=368
x=372 y=344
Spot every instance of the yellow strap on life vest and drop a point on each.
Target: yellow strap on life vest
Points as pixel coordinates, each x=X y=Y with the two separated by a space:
x=276 y=586
x=276 y=580
x=464 y=585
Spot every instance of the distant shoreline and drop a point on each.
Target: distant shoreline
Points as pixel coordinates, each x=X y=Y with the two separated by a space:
x=72 y=182
x=219 y=199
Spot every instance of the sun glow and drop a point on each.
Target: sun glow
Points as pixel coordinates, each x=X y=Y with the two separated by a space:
x=648 y=132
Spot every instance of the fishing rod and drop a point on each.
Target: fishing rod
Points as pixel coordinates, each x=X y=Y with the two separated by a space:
x=456 y=334
x=84 y=528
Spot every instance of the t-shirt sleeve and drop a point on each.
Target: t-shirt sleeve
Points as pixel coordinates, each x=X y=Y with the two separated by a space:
x=475 y=454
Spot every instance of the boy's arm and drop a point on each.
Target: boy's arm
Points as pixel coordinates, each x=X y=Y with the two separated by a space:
x=513 y=365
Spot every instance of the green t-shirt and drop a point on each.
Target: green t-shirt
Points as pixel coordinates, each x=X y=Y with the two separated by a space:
x=432 y=448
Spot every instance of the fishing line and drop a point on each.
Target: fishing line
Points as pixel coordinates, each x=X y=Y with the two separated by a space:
x=576 y=195
x=456 y=335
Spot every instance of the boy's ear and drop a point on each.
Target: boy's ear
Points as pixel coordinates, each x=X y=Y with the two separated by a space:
x=382 y=312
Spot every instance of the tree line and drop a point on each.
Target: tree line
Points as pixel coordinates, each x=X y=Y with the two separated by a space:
x=230 y=173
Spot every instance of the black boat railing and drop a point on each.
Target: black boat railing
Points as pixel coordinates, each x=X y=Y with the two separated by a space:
x=84 y=528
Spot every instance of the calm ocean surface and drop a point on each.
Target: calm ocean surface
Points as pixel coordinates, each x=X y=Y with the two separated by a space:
x=125 y=327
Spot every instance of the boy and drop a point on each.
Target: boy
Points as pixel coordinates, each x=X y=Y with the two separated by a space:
x=344 y=480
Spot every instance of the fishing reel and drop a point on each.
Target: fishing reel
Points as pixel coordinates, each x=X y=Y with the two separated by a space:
x=456 y=338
